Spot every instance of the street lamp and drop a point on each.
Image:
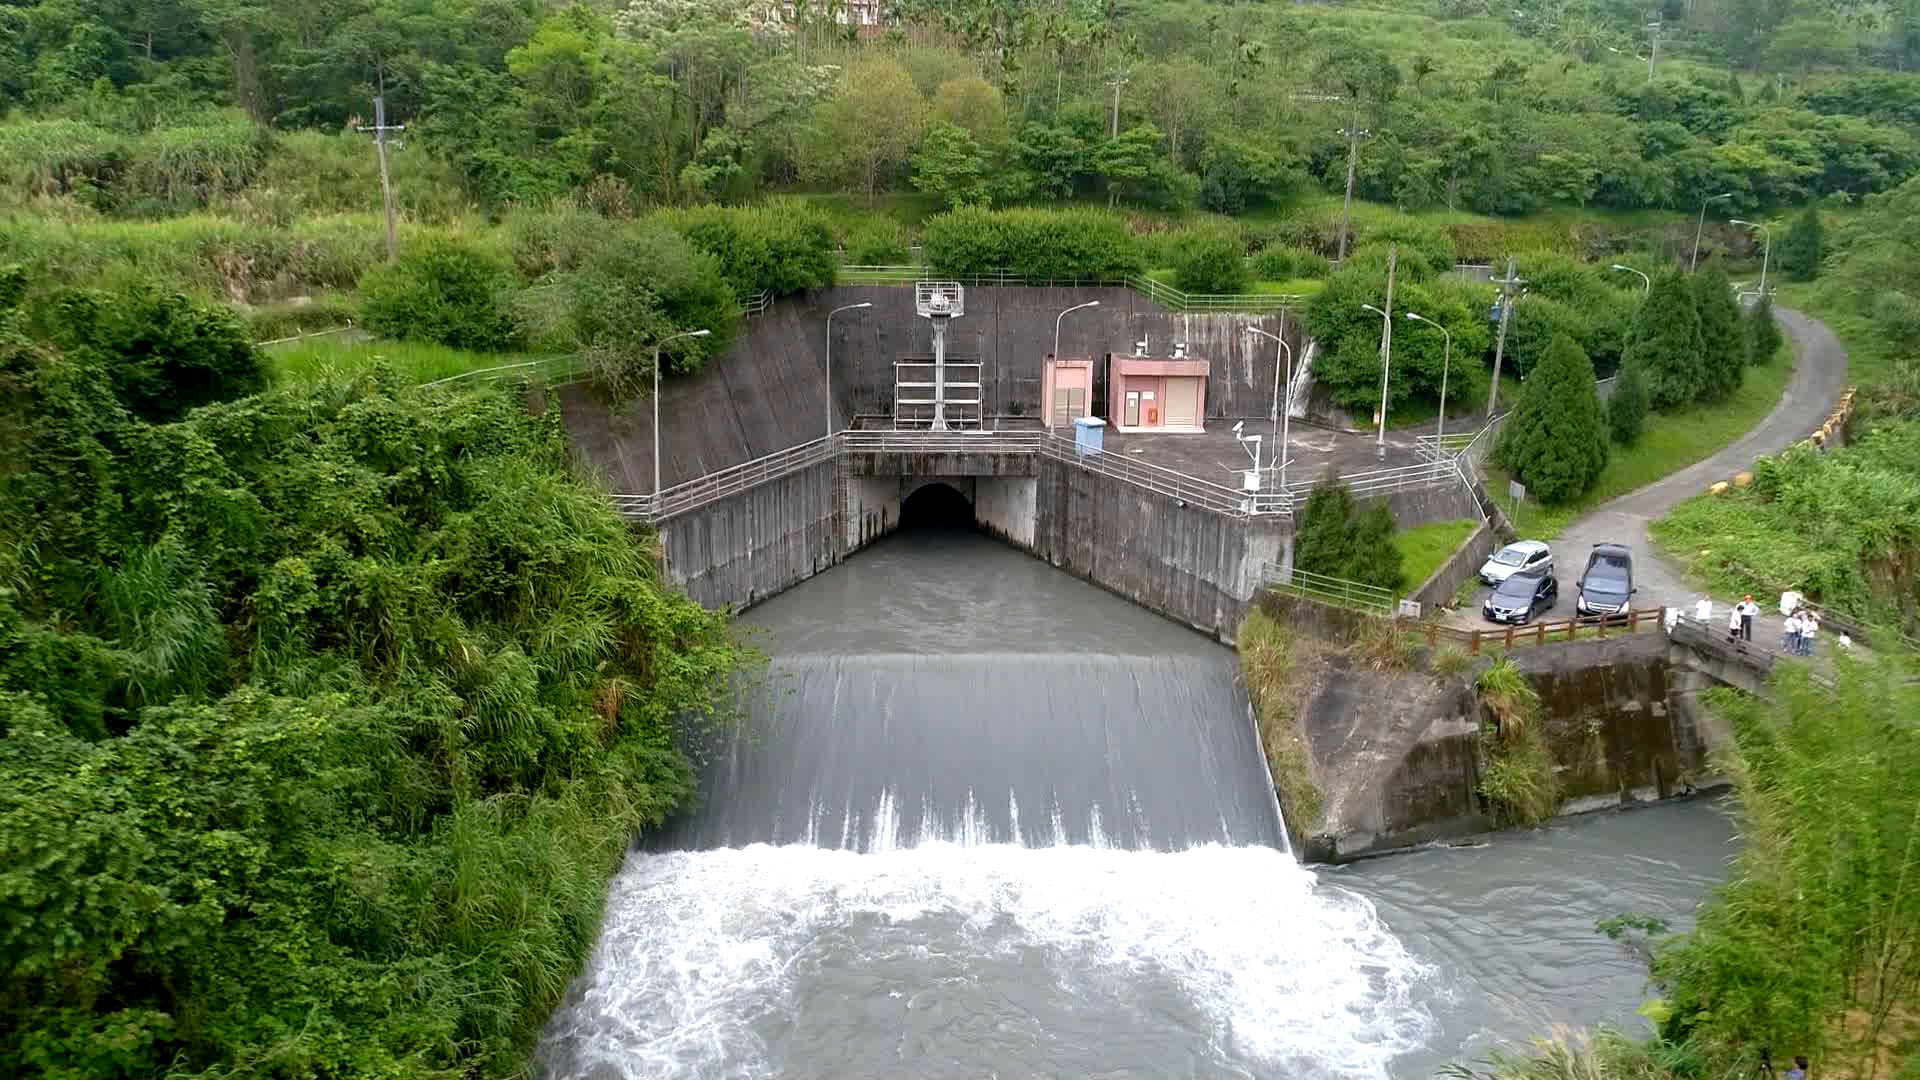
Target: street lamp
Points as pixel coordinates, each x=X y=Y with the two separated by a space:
x=1386 y=364
x=1446 y=364
x=1643 y=277
x=1281 y=411
x=1701 y=224
x=656 y=400
x=830 y=315
x=1767 y=255
x=1057 y=320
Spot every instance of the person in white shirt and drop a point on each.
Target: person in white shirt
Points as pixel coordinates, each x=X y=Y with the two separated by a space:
x=1809 y=626
x=1704 y=609
x=1748 y=611
x=1733 y=623
x=1790 y=635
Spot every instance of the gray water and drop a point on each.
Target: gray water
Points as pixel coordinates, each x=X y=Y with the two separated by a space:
x=989 y=821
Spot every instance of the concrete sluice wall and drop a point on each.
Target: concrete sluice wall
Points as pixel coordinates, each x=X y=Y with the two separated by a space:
x=1192 y=565
x=768 y=391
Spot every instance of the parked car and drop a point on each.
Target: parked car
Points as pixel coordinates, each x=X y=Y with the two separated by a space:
x=1519 y=557
x=1606 y=585
x=1516 y=599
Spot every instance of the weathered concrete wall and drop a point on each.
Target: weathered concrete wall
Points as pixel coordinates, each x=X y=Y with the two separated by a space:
x=746 y=548
x=1397 y=754
x=768 y=392
x=1184 y=562
x=1461 y=566
x=1422 y=506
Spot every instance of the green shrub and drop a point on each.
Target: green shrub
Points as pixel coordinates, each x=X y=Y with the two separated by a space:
x=1518 y=779
x=1451 y=662
x=164 y=353
x=1627 y=407
x=1665 y=343
x=646 y=285
x=444 y=291
x=1209 y=260
x=1762 y=333
x=873 y=241
x=1338 y=539
x=1058 y=245
x=1556 y=441
x=1282 y=263
x=783 y=247
x=1804 y=246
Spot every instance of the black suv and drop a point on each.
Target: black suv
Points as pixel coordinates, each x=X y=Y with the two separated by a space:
x=1606 y=585
x=1517 y=598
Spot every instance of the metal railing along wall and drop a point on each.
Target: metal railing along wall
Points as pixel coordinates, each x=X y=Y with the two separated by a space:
x=1386 y=481
x=1332 y=590
x=1160 y=292
x=701 y=491
x=555 y=369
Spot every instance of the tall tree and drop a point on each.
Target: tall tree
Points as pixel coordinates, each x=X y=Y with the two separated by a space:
x=1723 y=346
x=1627 y=406
x=1762 y=333
x=1665 y=342
x=875 y=118
x=1804 y=246
x=1556 y=441
x=950 y=164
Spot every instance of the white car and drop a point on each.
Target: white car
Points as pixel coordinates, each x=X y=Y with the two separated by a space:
x=1519 y=557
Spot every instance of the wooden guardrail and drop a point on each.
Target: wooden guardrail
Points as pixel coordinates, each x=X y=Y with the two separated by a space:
x=1541 y=633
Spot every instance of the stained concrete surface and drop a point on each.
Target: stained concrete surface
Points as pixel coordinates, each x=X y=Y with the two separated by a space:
x=1819 y=378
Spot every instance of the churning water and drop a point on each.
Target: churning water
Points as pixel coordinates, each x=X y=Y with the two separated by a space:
x=988 y=821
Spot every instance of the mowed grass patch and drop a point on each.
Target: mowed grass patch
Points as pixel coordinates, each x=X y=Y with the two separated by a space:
x=1424 y=547
x=1671 y=442
x=307 y=362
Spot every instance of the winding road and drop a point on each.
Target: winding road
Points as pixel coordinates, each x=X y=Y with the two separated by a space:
x=1819 y=378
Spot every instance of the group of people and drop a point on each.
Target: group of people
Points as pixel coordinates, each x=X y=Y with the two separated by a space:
x=1797 y=637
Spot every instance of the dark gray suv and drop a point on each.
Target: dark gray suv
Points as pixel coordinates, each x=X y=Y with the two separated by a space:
x=1606 y=585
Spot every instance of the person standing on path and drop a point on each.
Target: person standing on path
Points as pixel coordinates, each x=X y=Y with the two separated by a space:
x=1790 y=635
x=1746 y=609
x=1733 y=623
x=1809 y=626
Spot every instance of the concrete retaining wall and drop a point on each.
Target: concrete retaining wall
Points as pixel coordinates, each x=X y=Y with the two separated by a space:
x=1460 y=567
x=768 y=391
x=744 y=549
x=1189 y=564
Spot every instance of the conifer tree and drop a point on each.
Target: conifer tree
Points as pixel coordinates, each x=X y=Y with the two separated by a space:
x=1627 y=407
x=1763 y=334
x=1556 y=441
x=1338 y=539
x=1800 y=253
x=1723 y=345
x=1664 y=342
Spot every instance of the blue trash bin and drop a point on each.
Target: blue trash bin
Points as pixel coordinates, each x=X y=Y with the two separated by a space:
x=1089 y=434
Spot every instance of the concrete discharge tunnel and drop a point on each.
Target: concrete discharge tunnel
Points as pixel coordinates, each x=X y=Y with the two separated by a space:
x=937 y=506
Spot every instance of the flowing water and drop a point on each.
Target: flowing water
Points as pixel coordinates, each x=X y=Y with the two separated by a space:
x=989 y=821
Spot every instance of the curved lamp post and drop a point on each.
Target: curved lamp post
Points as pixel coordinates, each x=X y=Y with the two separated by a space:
x=656 y=400
x=1281 y=410
x=1061 y=317
x=830 y=315
x=1702 y=224
x=1446 y=365
x=1386 y=365
x=1767 y=255
x=1648 y=291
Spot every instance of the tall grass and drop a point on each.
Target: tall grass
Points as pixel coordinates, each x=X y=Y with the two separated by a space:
x=338 y=358
x=1278 y=680
x=1518 y=779
x=1423 y=548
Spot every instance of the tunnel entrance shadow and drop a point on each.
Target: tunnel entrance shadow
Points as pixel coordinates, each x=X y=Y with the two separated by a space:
x=937 y=508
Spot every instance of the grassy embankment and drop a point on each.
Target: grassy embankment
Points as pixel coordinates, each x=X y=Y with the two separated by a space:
x=1672 y=441
x=1275 y=671
x=1424 y=547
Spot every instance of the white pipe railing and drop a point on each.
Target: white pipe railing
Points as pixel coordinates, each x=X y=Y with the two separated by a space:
x=1160 y=292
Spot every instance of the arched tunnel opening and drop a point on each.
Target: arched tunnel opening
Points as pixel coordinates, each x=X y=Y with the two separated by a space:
x=937 y=508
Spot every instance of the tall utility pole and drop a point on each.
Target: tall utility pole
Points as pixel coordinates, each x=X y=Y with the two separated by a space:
x=1653 y=47
x=380 y=128
x=1119 y=80
x=1507 y=285
x=1354 y=133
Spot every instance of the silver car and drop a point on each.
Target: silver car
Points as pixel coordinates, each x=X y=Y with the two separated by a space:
x=1519 y=557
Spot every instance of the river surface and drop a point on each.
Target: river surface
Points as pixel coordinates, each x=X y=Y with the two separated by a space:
x=989 y=821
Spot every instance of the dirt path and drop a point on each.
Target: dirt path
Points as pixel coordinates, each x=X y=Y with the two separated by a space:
x=1819 y=377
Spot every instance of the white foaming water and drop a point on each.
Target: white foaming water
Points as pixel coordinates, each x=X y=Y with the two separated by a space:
x=991 y=960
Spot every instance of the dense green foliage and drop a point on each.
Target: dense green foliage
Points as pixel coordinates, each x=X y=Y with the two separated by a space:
x=1518 y=779
x=1627 y=407
x=675 y=101
x=1842 y=527
x=1556 y=440
x=1822 y=910
x=1723 y=341
x=1058 y=245
x=1349 y=336
x=445 y=292
x=1804 y=246
x=324 y=718
x=1665 y=343
x=1338 y=539
x=1210 y=260
x=780 y=248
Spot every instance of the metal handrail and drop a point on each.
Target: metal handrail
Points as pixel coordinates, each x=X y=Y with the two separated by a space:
x=757 y=304
x=1357 y=595
x=1382 y=481
x=1164 y=294
x=567 y=366
x=701 y=491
